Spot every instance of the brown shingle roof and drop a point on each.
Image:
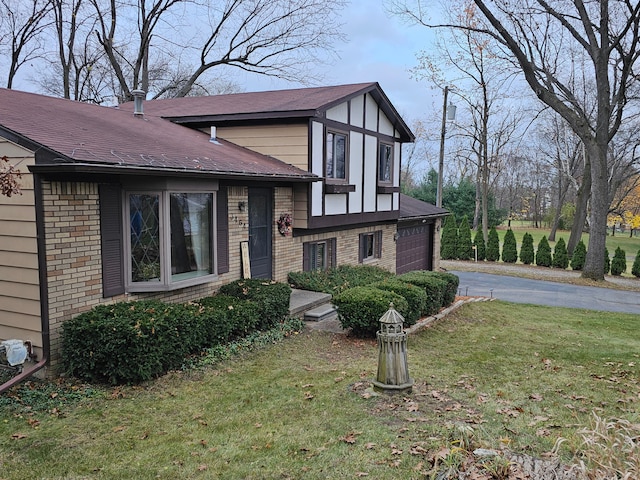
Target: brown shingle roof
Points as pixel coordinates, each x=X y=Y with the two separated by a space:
x=276 y=101
x=275 y=104
x=91 y=134
x=412 y=208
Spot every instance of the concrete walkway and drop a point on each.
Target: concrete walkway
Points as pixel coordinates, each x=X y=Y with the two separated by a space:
x=543 y=292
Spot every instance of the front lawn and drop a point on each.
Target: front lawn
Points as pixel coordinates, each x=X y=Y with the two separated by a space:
x=491 y=374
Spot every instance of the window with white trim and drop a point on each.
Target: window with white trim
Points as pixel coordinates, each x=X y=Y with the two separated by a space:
x=336 y=156
x=169 y=239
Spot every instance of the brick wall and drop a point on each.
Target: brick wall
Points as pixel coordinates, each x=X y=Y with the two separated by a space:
x=74 y=268
x=287 y=252
x=348 y=244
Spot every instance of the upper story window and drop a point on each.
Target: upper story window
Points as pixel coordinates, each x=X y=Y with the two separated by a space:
x=336 y=156
x=169 y=239
x=385 y=163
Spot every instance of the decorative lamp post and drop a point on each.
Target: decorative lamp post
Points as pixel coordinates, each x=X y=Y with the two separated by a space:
x=393 y=369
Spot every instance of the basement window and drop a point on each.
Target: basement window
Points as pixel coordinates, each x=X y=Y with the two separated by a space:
x=320 y=255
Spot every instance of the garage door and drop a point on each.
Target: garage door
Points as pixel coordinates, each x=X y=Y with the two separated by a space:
x=413 y=248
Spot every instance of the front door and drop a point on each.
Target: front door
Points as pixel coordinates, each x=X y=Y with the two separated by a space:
x=260 y=231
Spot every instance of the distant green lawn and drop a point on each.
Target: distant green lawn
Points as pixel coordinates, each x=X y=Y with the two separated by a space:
x=513 y=375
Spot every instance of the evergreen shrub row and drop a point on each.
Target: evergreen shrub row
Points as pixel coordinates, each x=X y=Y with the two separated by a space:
x=456 y=243
x=131 y=342
x=414 y=294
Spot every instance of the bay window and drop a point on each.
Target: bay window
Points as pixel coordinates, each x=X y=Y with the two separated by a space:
x=169 y=239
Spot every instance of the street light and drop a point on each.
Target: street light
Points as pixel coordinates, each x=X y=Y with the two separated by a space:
x=446 y=115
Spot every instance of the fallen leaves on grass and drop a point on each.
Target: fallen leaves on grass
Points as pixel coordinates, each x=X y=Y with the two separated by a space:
x=350 y=437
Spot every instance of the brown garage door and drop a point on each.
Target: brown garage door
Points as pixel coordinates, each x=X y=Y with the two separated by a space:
x=413 y=248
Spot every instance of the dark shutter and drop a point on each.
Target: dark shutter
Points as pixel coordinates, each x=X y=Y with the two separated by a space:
x=378 y=243
x=362 y=247
x=111 y=240
x=332 y=252
x=222 y=221
x=306 y=257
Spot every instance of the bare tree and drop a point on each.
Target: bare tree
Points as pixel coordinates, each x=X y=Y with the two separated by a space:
x=20 y=37
x=415 y=158
x=563 y=151
x=539 y=36
x=481 y=78
x=167 y=46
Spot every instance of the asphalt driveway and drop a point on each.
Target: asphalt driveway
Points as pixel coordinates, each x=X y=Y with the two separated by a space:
x=542 y=292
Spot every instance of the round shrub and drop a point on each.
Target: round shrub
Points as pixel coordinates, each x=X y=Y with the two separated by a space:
x=433 y=286
x=635 y=269
x=478 y=242
x=416 y=297
x=543 y=255
x=560 y=255
x=619 y=262
x=464 y=250
x=493 y=246
x=360 y=308
x=509 y=248
x=579 y=256
x=527 y=254
x=607 y=261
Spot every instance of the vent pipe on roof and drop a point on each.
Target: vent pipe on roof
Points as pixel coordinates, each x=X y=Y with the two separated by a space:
x=138 y=100
x=214 y=138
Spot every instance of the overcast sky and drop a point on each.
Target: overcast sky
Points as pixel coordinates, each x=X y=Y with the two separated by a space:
x=379 y=48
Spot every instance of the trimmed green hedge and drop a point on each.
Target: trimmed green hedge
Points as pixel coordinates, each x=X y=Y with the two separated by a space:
x=339 y=279
x=360 y=308
x=131 y=342
x=433 y=286
x=451 y=288
x=272 y=298
x=416 y=297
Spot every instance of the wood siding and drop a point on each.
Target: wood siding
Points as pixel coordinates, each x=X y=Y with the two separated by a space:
x=19 y=284
x=289 y=143
x=367 y=126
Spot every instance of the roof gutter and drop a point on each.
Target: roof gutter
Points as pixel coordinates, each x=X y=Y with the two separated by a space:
x=44 y=290
x=53 y=168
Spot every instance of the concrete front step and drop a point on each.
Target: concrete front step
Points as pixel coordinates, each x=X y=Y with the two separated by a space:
x=302 y=301
x=323 y=312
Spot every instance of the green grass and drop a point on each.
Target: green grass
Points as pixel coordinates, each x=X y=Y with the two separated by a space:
x=631 y=246
x=301 y=408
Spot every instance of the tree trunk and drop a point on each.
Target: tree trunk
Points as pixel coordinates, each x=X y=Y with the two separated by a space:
x=562 y=192
x=582 y=200
x=476 y=212
x=594 y=262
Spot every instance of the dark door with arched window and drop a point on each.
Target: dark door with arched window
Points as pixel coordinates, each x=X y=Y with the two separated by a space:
x=260 y=231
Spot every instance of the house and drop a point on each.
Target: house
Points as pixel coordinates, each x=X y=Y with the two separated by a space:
x=170 y=199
